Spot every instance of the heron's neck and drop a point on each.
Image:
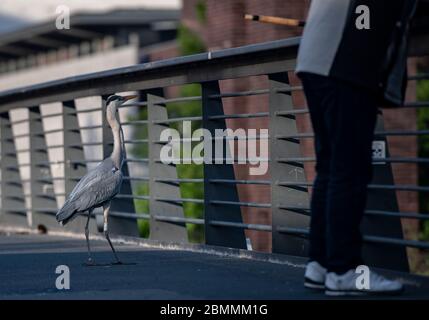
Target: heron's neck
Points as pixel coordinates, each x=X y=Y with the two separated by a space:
x=117 y=154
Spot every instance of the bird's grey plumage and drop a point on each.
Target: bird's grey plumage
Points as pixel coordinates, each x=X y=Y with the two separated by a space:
x=98 y=186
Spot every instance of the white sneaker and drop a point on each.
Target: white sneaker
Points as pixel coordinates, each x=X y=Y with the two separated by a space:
x=346 y=284
x=315 y=275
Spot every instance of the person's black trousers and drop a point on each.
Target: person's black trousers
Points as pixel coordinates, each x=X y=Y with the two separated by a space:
x=343 y=118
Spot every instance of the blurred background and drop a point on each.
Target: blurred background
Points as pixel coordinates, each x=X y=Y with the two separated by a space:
x=108 y=34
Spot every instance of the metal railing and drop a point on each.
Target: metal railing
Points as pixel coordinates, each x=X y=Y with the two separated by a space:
x=223 y=221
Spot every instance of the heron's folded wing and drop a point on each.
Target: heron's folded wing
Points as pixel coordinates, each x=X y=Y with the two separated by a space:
x=96 y=187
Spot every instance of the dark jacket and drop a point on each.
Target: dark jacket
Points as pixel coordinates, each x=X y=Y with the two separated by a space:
x=374 y=58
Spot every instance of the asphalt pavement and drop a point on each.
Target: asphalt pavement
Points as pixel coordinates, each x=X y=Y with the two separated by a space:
x=28 y=264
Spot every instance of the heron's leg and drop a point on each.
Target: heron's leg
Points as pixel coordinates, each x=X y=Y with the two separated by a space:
x=106 y=209
x=90 y=261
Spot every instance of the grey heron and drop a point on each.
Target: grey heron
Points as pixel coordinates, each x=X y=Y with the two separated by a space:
x=101 y=184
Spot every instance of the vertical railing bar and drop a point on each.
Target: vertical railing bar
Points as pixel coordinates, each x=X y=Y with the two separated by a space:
x=215 y=235
x=37 y=187
x=12 y=195
x=162 y=229
x=282 y=102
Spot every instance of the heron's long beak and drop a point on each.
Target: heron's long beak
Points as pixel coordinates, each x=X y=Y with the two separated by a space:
x=126 y=98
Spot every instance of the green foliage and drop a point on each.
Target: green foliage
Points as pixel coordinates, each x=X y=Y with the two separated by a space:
x=190 y=171
x=201 y=11
x=423 y=114
x=142 y=206
x=141 y=150
x=425 y=232
x=423 y=124
x=194 y=191
x=189 y=42
x=188 y=109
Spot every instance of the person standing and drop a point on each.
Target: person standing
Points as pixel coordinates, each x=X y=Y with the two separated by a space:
x=352 y=58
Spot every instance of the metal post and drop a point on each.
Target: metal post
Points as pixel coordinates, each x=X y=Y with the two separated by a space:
x=43 y=200
x=118 y=225
x=284 y=198
x=74 y=166
x=12 y=210
x=377 y=254
x=162 y=230
x=218 y=235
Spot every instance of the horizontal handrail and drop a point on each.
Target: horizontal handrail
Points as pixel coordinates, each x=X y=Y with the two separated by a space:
x=155 y=74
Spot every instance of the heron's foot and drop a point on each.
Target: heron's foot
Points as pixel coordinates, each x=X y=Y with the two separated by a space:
x=90 y=262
